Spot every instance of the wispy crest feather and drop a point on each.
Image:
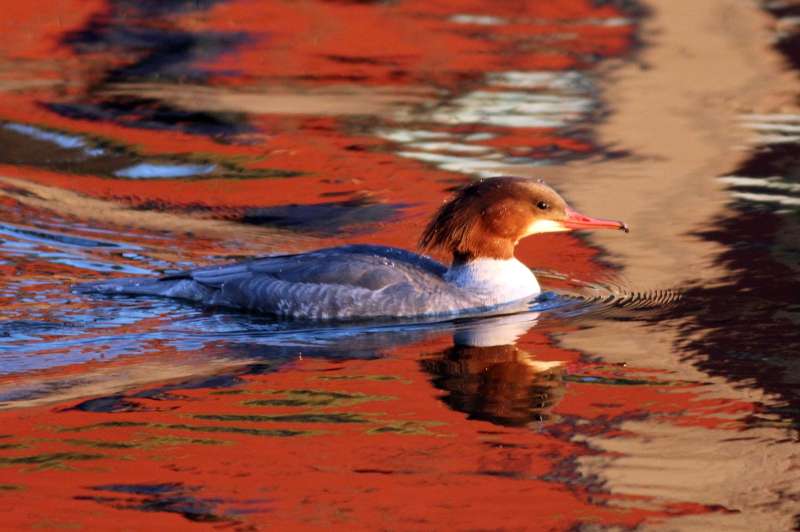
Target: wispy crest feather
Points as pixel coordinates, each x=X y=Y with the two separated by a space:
x=453 y=226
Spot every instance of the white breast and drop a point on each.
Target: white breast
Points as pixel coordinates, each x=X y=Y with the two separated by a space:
x=497 y=281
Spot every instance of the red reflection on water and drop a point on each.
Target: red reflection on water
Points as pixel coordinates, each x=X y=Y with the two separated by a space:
x=391 y=455
x=380 y=449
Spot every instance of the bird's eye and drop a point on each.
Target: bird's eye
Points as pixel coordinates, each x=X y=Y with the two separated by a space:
x=543 y=205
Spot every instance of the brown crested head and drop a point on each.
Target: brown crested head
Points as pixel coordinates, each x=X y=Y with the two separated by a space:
x=487 y=218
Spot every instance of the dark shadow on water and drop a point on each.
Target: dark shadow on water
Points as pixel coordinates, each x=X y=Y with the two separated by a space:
x=74 y=154
x=324 y=218
x=174 y=498
x=138 y=42
x=746 y=327
x=148 y=113
x=144 y=31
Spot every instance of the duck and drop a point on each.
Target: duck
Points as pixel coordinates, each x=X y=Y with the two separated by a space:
x=479 y=228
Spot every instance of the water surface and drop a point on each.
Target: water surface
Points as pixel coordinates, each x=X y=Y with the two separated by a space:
x=653 y=386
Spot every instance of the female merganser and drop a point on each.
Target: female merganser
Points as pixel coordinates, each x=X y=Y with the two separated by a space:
x=479 y=227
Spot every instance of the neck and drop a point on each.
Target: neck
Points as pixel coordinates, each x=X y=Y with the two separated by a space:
x=499 y=249
x=497 y=280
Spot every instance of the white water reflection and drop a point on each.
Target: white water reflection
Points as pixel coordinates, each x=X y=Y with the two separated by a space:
x=488 y=20
x=506 y=101
x=775 y=128
x=512 y=109
x=567 y=80
x=479 y=20
x=772 y=134
x=773 y=189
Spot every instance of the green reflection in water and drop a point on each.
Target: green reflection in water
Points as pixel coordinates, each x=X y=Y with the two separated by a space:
x=48 y=460
x=280 y=433
x=195 y=428
x=415 y=428
x=338 y=417
x=319 y=398
x=105 y=425
x=147 y=443
x=379 y=378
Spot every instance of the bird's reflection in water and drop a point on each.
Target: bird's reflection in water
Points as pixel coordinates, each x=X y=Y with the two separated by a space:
x=486 y=376
x=484 y=373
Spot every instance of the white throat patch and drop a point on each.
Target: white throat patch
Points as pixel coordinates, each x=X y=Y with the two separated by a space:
x=497 y=280
x=545 y=226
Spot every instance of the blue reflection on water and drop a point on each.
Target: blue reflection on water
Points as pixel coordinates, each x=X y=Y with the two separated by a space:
x=161 y=171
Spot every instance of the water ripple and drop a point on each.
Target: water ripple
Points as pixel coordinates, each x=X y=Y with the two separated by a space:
x=613 y=295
